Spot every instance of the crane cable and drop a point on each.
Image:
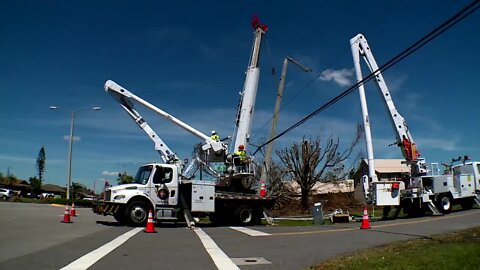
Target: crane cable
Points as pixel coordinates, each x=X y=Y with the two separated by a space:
x=459 y=16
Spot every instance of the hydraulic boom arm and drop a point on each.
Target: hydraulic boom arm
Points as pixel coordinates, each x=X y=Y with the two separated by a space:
x=126 y=99
x=404 y=139
x=249 y=92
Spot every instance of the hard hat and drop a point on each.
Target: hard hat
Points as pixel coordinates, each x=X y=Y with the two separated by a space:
x=213 y=132
x=241 y=147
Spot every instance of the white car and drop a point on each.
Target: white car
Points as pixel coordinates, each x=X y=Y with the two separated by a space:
x=5 y=194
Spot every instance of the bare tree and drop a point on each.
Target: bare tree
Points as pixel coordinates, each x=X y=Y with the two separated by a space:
x=307 y=162
x=124 y=178
x=41 y=164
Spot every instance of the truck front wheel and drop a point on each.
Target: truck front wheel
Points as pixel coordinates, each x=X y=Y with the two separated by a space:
x=137 y=214
x=120 y=216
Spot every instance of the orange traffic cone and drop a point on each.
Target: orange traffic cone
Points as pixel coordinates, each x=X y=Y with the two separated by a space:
x=365 y=222
x=150 y=228
x=66 y=216
x=263 y=191
x=72 y=211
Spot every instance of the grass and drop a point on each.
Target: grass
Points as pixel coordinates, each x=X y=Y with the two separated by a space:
x=458 y=250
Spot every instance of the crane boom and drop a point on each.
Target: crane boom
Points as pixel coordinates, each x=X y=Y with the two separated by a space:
x=404 y=139
x=249 y=92
x=126 y=99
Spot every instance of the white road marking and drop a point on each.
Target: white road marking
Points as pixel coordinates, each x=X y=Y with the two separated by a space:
x=89 y=259
x=250 y=231
x=221 y=260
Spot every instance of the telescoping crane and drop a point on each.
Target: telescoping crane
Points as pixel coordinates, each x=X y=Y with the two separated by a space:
x=168 y=189
x=422 y=189
x=213 y=149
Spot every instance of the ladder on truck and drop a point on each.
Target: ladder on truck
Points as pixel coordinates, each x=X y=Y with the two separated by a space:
x=477 y=199
x=433 y=208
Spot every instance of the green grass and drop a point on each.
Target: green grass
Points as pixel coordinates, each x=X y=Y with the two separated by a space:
x=459 y=250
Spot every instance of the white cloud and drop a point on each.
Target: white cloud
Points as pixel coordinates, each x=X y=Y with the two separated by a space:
x=341 y=77
x=67 y=137
x=109 y=173
x=396 y=83
x=432 y=143
x=17 y=158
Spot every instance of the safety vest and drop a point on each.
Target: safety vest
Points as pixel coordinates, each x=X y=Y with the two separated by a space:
x=242 y=154
x=215 y=137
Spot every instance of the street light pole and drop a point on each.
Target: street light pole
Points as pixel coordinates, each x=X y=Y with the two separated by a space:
x=70 y=148
x=70 y=145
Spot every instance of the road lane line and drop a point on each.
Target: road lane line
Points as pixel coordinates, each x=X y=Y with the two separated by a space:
x=375 y=226
x=249 y=231
x=221 y=260
x=426 y=220
x=89 y=259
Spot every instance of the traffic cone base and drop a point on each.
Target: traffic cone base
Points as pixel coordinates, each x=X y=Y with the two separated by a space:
x=73 y=213
x=365 y=222
x=263 y=191
x=66 y=216
x=150 y=228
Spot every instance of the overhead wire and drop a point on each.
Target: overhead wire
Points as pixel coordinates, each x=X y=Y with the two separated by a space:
x=315 y=78
x=459 y=16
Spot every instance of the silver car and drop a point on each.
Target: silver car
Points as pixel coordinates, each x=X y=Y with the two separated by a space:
x=5 y=194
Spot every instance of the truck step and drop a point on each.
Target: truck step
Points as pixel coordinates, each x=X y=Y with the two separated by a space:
x=477 y=199
x=434 y=209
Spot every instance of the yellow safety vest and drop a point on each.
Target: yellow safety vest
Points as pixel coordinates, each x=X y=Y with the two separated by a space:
x=242 y=154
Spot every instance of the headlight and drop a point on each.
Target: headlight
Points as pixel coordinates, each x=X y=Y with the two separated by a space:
x=119 y=197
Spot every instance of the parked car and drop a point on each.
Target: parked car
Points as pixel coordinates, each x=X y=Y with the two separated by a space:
x=89 y=198
x=6 y=194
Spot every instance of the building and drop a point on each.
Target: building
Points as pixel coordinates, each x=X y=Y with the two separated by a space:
x=341 y=186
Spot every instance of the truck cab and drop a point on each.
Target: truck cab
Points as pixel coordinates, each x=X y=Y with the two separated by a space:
x=154 y=186
x=472 y=168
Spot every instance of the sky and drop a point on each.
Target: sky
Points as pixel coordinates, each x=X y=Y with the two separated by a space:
x=189 y=59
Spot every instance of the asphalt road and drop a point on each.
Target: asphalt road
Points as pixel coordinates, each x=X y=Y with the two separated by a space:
x=32 y=237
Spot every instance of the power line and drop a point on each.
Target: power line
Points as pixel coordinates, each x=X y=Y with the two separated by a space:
x=459 y=16
x=315 y=78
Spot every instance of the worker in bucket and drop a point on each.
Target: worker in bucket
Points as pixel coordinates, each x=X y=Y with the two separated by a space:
x=214 y=136
x=240 y=158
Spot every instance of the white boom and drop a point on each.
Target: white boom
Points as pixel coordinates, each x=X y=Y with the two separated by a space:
x=126 y=99
x=249 y=92
x=404 y=139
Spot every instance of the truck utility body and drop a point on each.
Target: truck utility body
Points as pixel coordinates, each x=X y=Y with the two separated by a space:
x=170 y=189
x=425 y=188
x=157 y=186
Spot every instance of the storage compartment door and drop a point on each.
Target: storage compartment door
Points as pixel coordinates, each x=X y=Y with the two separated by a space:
x=203 y=198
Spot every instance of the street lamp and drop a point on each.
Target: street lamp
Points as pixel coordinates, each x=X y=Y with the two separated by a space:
x=72 y=125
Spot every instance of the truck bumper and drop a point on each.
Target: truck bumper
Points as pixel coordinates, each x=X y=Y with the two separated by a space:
x=106 y=208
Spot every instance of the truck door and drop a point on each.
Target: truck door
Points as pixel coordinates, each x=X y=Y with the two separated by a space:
x=164 y=186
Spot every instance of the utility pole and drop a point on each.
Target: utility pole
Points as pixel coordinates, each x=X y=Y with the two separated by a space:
x=281 y=86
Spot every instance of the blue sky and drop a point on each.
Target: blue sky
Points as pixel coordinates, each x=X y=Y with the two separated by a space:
x=189 y=58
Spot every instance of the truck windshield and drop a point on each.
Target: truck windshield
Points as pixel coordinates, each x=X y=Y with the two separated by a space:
x=143 y=174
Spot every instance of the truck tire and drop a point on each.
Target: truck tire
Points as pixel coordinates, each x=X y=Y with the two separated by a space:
x=120 y=216
x=218 y=219
x=444 y=203
x=137 y=214
x=246 y=215
x=467 y=203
